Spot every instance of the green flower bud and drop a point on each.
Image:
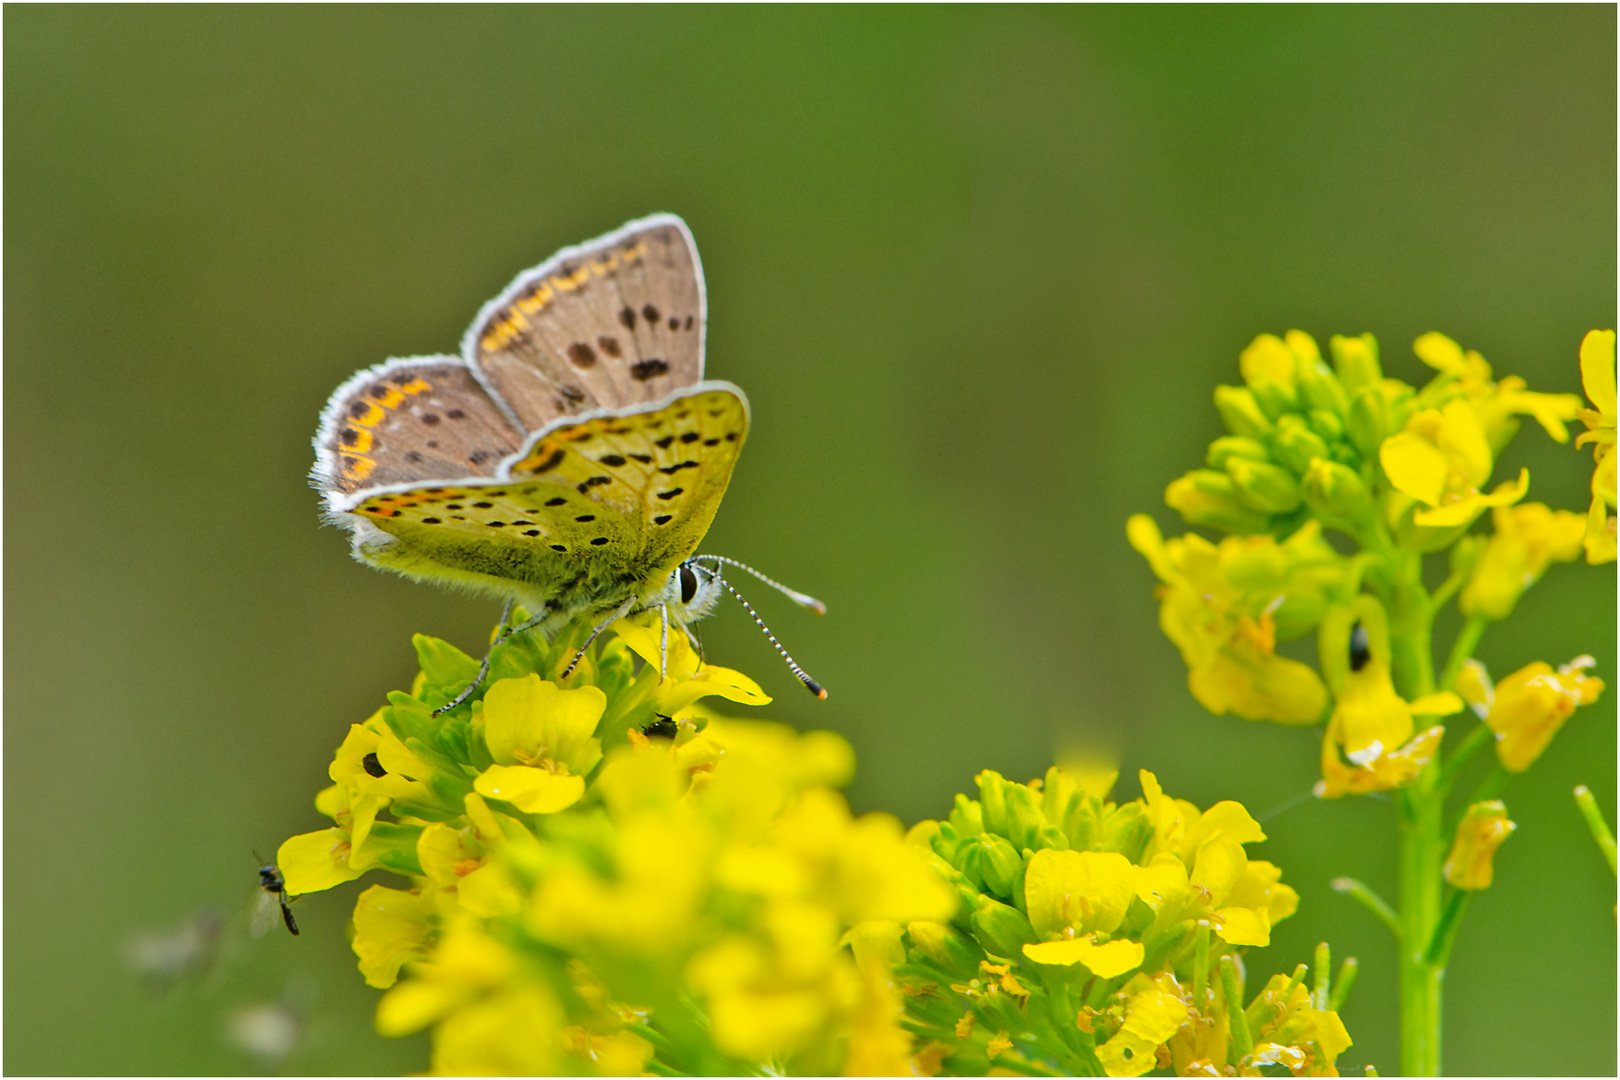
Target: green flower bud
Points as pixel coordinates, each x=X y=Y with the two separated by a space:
x=993 y=801
x=1231 y=446
x=1319 y=389
x=1268 y=488
x=1206 y=497
x=967 y=817
x=1025 y=818
x=1356 y=360
x=1369 y=423
x=1334 y=491
x=395 y=846
x=1127 y=830
x=1001 y=929
x=1240 y=412
x=1328 y=425
x=1000 y=864
x=945 y=947
x=1296 y=444
x=1274 y=398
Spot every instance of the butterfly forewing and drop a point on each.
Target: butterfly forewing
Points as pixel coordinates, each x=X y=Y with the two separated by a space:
x=610 y=323
x=595 y=511
x=408 y=421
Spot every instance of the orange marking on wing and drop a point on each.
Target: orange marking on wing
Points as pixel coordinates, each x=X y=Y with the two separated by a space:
x=363 y=438
x=374 y=413
x=604 y=267
x=536 y=300
x=570 y=282
x=356 y=467
x=416 y=386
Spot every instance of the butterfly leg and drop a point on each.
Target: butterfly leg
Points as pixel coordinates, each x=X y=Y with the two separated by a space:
x=618 y=613
x=500 y=639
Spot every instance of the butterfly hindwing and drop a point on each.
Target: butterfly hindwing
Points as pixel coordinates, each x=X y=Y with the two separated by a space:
x=592 y=512
x=613 y=322
x=407 y=421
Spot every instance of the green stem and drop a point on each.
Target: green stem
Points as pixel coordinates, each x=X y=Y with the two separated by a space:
x=1462 y=649
x=1349 y=886
x=1439 y=951
x=1346 y=979
x=1481 y=735
x=1322 y=981
x=1421 y=852
x=1594 y=821
x=1201 y=969
x=1242 y=1041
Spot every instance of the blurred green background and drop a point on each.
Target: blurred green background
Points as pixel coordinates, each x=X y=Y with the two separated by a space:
x=978 y=271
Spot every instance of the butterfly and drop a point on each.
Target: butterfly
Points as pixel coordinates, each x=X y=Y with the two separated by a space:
x=569 y=460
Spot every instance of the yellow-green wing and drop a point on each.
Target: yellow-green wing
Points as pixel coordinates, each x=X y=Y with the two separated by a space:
x=592 y=512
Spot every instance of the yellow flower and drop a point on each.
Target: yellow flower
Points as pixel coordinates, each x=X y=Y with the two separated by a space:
x=373 y=761
x=1222 y=606
x=1527 y=538
x=1479 y=834
x=1529 y=706
x=1597 y=377
x=391 y=927
x=1369 y=745
x=1075 y=900
x=688 y=677
x=541 y=739
x=319 y=860
x=1497 y=403
x=1155 y=1010
x=1442 y=459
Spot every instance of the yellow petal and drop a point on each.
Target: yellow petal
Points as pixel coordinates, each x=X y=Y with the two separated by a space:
x=1440 y=353
x=316 y=861
x=1104 y=961
x=1414 y=466
x=1244 y=926
x=1597 y=369
x=1462 y=439
x=731 y=685
x=1445 y=703
x=530 y=716
x=534 y=791
x=390 y=928
x=1469 y=507
x=1089 y=890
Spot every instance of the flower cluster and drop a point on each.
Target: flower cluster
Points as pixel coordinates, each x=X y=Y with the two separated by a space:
x=610 y=878
x=1100 y=938
x=1402 y=471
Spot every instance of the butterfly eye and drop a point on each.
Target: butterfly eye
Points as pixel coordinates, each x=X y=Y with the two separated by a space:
x=1360 y=647
x=689 y=584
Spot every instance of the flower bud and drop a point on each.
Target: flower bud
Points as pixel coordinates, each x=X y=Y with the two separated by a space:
x=1296 y=444
x=1127 y=830
x=999 y=864
x=1205 y=497
x=1333 y=490
x=1479 y=834
x=1275 y=399
x=1240 y=412
x=993 y=801
x=1268 y=488
x=1231 y=446
x=1001 y=929
x=1369 y=422
x=1320 y=390
x=1356 y=360
x=944 y=946
x=1328 y=424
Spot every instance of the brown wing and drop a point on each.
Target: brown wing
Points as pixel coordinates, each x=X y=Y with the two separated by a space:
x=616 y=321
x=408 y=421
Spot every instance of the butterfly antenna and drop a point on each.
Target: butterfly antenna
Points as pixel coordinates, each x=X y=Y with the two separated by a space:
x=811 y=684
x=795 y=595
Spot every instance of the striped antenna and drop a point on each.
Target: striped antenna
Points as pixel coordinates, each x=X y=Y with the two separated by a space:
x=792 y=594
x=810 y=684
